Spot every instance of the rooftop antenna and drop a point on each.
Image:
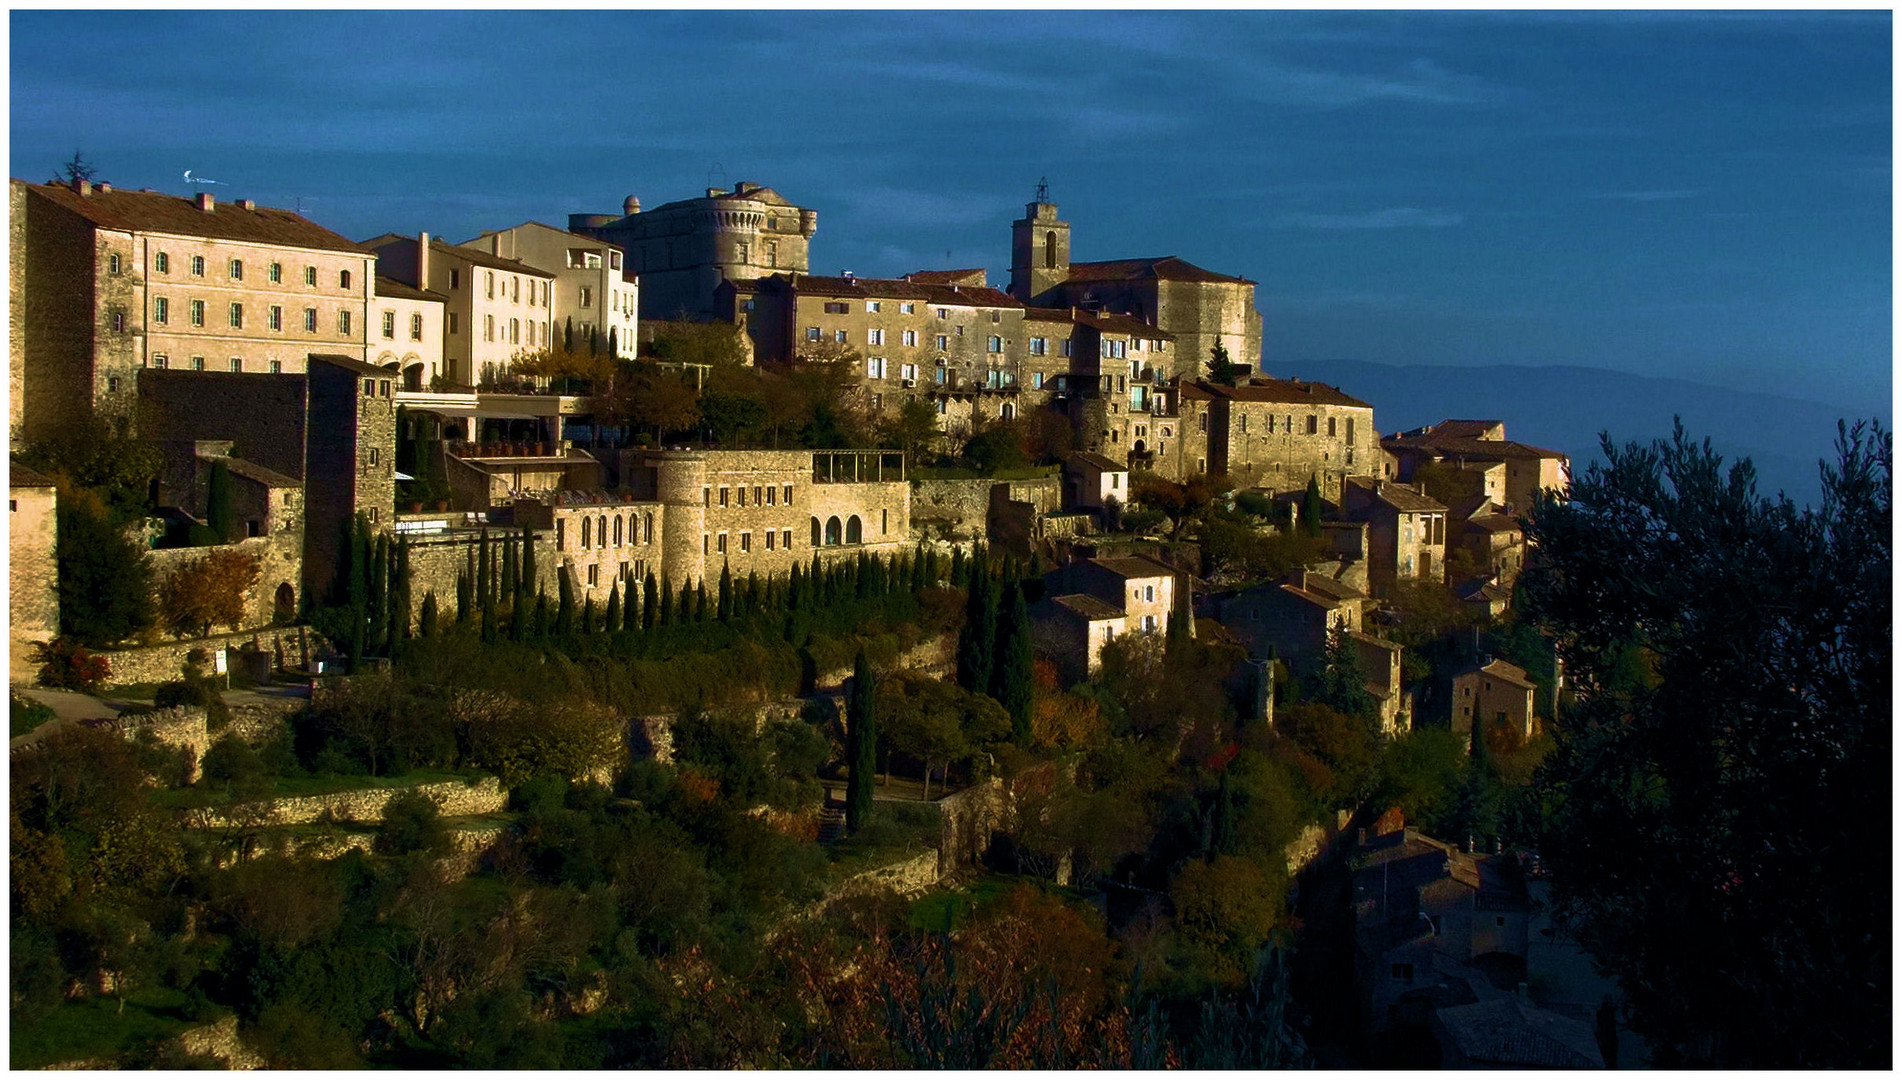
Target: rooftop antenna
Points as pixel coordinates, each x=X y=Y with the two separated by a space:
x=717 y=168
x=301 y=200
x=1043 y=189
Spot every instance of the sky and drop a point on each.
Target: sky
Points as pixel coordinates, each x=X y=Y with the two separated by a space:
x=1704 y=196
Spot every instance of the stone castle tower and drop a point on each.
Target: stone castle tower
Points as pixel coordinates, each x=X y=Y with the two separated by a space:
x=1039 y=249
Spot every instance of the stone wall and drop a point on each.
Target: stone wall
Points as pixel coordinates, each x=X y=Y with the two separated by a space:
x=220 y=1041
x=33 y=600
x=280 y=564
x=960 y=510
x=453 y=797
x=164 y=663
x=911 y=875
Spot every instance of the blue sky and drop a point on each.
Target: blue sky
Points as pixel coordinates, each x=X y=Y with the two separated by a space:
x=1696 y=195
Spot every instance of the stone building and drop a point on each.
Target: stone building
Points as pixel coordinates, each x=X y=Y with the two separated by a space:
x=1293 y=619
x=269 y=507
x=1197 y=307
x=406 y=333
x=1482 y=445
x=106 y=283
x=32 y=580
x=1276 y=434
x=1495 y=693
x=495 y=307
x=593 y=288
x=331 y=429
x=1143 y=589
x=1406 y=531
x=683 y=250
x=1090 y=481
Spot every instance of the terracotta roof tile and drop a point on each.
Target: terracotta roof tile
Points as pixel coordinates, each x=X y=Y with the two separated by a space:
x=396 y=290
x=19 y=475
x=1088 y=606
x=1284 y=392
x=151 y=211
x=1162 y=268
x=900 y=289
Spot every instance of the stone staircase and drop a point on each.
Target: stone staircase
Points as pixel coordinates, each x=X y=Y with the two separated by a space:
x=832 y=820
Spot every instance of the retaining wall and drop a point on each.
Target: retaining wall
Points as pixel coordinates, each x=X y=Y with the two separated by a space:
x=164 y=663
x=365 y=805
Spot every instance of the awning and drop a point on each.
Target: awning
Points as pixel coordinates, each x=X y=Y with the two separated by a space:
x=404 y=476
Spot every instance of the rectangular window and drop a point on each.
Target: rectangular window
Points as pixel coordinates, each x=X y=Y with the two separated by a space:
x=112 y=263
x=723 y=496
x=884 y=521
x=198 y=266
x=452 y=323
x=1314 y=423
x=310 y=320
x=720 y=547
x=237 y=364
x=416 y=327
x=587 y=297
x=785 y=539
x=742 y=495
x=911 y=337
x=1066 y=347
x=161 y=263
x=161 y=310
x=198 y=313
x=908 y=372
x=788 y=499
x=772 y=495
x=488 y=328
x=812 y=333
x=198 y=364
x=944 y=313
x=594 y=576
x=276 y=317
x=944 y=341
x=277 y=367
x=275 y=273
x=1036 y=380
x=1039 y=346
x=1350 y=431
x=1330 y=427
x=874 y=367
x=770 y=537
x=908 y=309
x=488 y=284
x=872 y=306
x=746 y=543
x=343 y=322
x=237 y=316
x=160 y=361
x=706 y=496
x=839 y=337
x=836 y=308
x=759 y=495
x=343 y=279
x=938 y=375
x=389 y=324
x=310 y=275
x=118 y=322
x=237 y=269
x=875 y=336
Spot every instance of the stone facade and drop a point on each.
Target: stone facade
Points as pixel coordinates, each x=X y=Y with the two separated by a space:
x=683 y=250
x=495 y=307
x=1295 y=618
x=1276 y=434
x=163 y=663
x=1482 y=444
x=961 y=511
x=32 y=583
x=351 y=459
x=406 y=334
x=112 y=282
x=1406 y=532
x=1497 y=693
x=593 y=289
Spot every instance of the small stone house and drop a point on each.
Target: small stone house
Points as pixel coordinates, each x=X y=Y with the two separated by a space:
x=1496 y=692
x=1072 y=630
x=1294 y=617
x=1091 y=480
x=1406 y=535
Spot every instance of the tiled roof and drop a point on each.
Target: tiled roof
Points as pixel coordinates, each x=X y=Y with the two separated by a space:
x=397 y=290
x=1098 y=461
x=1512 y=1031
x=1397 y=495
x=1461 y=438
x=352 y=364
x=151 y=211
x=1327 y=586
x=19 y=475
x=900 y=289
x=1123 y=324
x=251 y=470
x=1162 y=268
x=1482 y=588
x=1050 y=314
x=1134 y=566
x=975 y=276
x=1318 y=599
x=1504 y=672
x=1496 y=523
x=1284 y=392
x=1089 y=607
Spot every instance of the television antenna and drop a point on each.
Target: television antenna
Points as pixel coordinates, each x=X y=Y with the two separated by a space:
x=301 y=200
x=1043 y=189
x=717 y=168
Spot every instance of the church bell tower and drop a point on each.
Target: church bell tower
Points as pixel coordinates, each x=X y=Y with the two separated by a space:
x=1039 y=249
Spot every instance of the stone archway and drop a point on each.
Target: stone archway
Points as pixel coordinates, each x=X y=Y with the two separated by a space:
x=834 y=532
x=854 y=530
x=284 y=604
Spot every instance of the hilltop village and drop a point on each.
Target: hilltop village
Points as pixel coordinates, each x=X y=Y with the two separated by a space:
x=249 y=453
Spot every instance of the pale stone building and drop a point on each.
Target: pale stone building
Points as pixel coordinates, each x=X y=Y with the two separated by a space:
x=1496 y=694
x=106 y=283
x=406 y=334
x=1482 y=445
x=1197 y=307
x=1406 y=534
x=1276 y=434
x=495 y=307
x=683 y=250
x=32 y=578
x=593 y=288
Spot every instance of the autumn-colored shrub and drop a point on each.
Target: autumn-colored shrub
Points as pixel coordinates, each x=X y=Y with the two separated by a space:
x=67 y=665
x=207 y=591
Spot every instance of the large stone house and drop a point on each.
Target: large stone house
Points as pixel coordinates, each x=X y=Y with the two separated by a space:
x=593 y=288
x=406 y=335
x=496 y=308
x=106 y=283
x=1406 y=531
x=1277 y=434
x=1496 y=694
x=1481 y=445
x=683 y=250
x=1092 y=601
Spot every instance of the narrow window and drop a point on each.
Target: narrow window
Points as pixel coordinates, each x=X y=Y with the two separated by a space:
x=198 y=266
x=112 y=264
x=237 y=269
x=277 y=317
x=343 y=322
x=389 y=324
x=310 y=320
x=118 y=322
x=237 y=316
x=161 y=263
x=237 y=364
x=275 y=273
x=161 y=310
x=310 y=275
x=416 y=327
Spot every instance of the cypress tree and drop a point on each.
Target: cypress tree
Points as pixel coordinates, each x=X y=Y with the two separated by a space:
x=1179 y=625
x=587 y=616
x=958 y=579
x=465 y=590
x=541 y=615
x=219 y=513
x=518 y=613
x=650 y=601
x=684 y=613
x=483 y=557
x=861 y=734
x=725 y=612
x=700 y=612
x=378 y=609
x=509 y=571
x=568 y=336
x=1012 y=675
x=612 y=622
x=528 y=561
x=359 y=589
x=1311 y=508
x=397 y=606
x=664 y=613
x=564 y=608
x=753 y=600
x=488 y=619
x=429 y=614
x=978 y=640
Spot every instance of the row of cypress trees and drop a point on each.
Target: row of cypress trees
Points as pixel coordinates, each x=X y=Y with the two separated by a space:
x=372 y=592
x=994 y=647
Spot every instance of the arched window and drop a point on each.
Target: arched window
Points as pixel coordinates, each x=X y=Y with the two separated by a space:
x=815 y=532
x=617 y=530
x=832 y=532
x=1049 y=251
x=649 y=532
x=284 y=605
x=854 y=532
x=601 y=529
x=1008 y=412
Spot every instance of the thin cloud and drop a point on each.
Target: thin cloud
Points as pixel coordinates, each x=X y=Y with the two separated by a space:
x=1418 y=81
x=1665 y=195
x=1397 y=217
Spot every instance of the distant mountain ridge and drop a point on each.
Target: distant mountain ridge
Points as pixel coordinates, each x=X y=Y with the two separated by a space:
x=1564 y=408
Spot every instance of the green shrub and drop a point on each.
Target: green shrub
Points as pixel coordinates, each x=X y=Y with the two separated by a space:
x=412 y=822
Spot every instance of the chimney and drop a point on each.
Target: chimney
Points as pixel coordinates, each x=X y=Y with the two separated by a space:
x=83 y=188
x=247 y=204
x=630 y=206
x=422 y=260
x=206 y=202
x=105 y=188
